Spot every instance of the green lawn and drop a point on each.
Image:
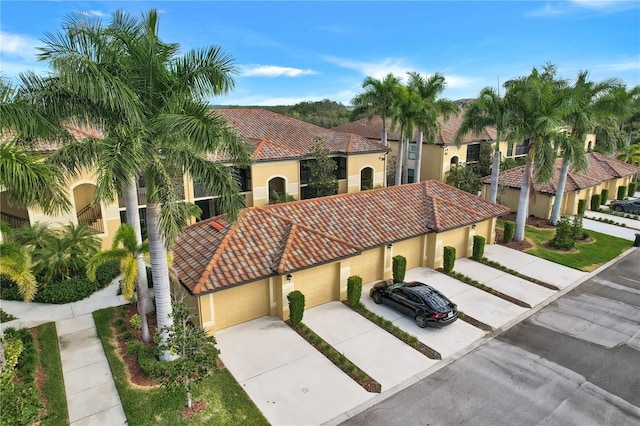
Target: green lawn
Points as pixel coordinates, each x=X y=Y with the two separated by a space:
x=227 y=403
x=589 y=255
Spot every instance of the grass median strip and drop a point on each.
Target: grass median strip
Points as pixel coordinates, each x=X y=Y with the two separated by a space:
x=513 y=272
x=53 y=385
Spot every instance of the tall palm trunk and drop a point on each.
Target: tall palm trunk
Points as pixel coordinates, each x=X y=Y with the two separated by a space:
x=495 y=173
x=399 y=161
x=523 y=202
x=562 y=180
x=160 y=274
x=145 y=304
x=416 y=173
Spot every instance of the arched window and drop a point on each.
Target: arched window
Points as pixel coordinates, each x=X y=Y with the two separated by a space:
x=276 y=189
x=366 y=179
x=454 y=160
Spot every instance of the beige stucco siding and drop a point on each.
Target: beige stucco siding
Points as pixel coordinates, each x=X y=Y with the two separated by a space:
x=320 y=284
x=458 y=239
x=262 y=173
x=355 y=164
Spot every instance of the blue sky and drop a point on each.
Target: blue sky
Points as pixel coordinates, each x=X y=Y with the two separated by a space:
x=294 y=51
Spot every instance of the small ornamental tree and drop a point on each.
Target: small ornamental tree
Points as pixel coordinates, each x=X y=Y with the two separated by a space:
x=582 y=206
x=622 y=192
x=576 y=227
x=595 y=202
x=633 y=186
x=399 y=268
x=296 y=307
x=478 y=247
x=604 y=197
x=562 y=238
x=449 y=258
x=354 y=290
x=509 y=231
x=195 y=348
x=322 y=178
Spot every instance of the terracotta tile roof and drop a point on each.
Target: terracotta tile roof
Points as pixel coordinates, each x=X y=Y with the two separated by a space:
x=372 y=129
x=601 y=168
x=282 y=238
x=276 y=136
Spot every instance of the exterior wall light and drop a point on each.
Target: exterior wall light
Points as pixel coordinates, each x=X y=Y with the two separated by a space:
x=289 y=277
x=389 y=245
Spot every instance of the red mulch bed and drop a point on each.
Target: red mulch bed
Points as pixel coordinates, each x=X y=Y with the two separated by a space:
x=134 y=372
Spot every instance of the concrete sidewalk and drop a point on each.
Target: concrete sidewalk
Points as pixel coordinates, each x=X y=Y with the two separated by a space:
x=92 y=397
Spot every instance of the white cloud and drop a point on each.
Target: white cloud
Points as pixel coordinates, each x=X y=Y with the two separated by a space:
x=604 y=4
x=274 y=71
x=377 y=69
x=558 y=8
x=94 y=13
x=18 y=45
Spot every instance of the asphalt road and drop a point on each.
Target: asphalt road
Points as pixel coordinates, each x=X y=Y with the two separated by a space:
x=574 y=362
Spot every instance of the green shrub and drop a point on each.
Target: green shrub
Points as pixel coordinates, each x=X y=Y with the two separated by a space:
x=67 y=291
x=354 y=290
x=136 y=322
x=562 y=238
x=20 y=398
x=296 y=307
x=604 y=197
x=399 y=268
x=633 y=186
x=509 y=232
x=622 y=191
x=107 y=272
x=449 y=258
x=576 y=227
x=582 y=206
x=478 y=247
x=595 y=202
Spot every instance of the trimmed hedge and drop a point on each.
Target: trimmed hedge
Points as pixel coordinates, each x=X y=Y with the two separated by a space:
x=582 y=206
x=604 y=197
x=478 y=247
x=633 y=186
x=595 y=202
x=509 y=232
x=399 y=268
x=449 y=258
x=622 y=192
x=354 y=290
x=296 y=307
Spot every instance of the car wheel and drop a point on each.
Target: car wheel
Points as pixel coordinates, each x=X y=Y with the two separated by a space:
x=618 y=208
x=377 y=297
x=421 y=321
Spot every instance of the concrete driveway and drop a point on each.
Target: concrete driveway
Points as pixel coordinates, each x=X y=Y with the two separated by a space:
x=287 y=378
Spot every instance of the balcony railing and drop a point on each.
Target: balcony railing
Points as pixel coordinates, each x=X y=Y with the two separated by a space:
x=14 y=221
x=92 y=217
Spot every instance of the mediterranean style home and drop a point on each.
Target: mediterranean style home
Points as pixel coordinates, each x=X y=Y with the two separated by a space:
x=282 y=149
x=604 y=173
x=439 y=157
x=230 y=273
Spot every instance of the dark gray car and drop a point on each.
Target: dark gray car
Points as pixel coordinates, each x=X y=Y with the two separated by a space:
x=631 y=206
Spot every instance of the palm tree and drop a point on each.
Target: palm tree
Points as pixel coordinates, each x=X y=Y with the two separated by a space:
x=615 y=132
x=582 y=118
x=537 y=111
x=126 y=250
x=489 y=110
x=24 y=178
x=407 y=109
x=15 y=265
x=170 y=131
x=378 y=99
x=429 y=89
